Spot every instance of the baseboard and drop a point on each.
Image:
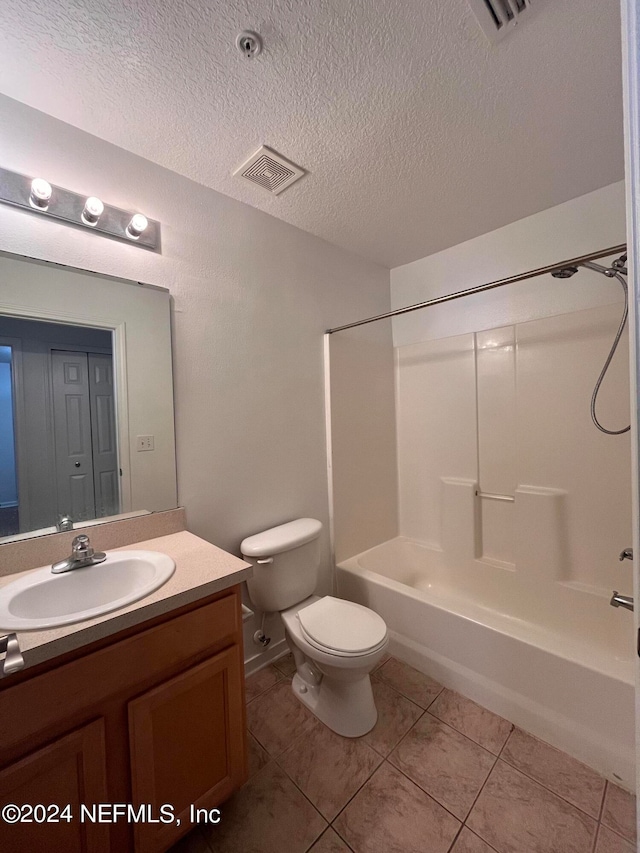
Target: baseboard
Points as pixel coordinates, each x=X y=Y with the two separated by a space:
x=259 y=660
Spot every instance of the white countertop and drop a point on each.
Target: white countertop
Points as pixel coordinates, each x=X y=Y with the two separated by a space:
x=202 y=569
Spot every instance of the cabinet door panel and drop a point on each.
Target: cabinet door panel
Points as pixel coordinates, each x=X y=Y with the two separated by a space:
x=47 y=702
x=71 y=770
x=187 y=744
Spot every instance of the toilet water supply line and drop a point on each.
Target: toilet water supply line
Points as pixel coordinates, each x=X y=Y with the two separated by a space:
x=260 y=638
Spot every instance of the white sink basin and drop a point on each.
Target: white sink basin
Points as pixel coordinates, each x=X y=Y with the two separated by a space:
x=42 y=600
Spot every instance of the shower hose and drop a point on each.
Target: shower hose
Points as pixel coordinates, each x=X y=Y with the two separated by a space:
x=612 y=274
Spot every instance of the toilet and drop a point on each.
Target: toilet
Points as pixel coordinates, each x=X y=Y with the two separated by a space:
x=335 y=643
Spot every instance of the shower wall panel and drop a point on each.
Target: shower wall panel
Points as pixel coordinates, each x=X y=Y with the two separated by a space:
x=436 y=423
x=508 y=410
x=362 y=438
x=559 y=359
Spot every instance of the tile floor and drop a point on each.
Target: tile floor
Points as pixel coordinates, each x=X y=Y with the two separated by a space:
x=438 y=773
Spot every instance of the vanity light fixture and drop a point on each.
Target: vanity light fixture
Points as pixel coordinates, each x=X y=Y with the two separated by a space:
x=87 y=212
x=93 y=210
x=138 y=224
x=40 y=194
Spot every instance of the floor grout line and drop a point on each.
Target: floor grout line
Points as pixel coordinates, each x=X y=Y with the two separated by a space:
x=617 y=834
x=327 y=821
x=260 y=695
x=473 y=804
x=341 y=837
x=508 y=738
x=484 y=841
x=457 y=835
x=550 y=790
x=604 y=797
x=352 y=797
x=375 y=678
x=298 y=788
x=420 y=788
x=397 y=689
x=384 y=759
x=470 y=739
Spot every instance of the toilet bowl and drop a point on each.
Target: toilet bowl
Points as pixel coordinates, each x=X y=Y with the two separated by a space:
x=335 y=643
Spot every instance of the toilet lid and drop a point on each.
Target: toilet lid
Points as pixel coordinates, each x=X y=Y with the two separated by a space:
x=342 y=626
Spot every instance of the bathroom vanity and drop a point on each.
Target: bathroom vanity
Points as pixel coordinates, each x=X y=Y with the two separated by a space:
x=149 y=715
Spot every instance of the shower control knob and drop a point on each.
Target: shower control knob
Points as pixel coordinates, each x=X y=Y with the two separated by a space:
x=627 y=554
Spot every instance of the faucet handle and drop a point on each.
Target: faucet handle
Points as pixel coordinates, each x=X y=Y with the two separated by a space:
x=81 y=547
x=627 y=554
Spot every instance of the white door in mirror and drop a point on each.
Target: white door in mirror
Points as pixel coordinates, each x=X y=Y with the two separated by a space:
x=40 y=599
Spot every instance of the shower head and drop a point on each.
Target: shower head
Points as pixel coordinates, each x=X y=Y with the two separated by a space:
x=621 y=264
x=565 y=272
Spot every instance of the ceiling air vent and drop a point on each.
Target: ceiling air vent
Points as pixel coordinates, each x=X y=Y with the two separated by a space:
x=269 y=170
x=499 y=17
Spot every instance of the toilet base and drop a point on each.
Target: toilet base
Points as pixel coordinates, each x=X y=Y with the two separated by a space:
x=346 y=707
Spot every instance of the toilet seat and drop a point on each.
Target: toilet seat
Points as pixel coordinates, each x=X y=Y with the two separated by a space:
x=342 y=628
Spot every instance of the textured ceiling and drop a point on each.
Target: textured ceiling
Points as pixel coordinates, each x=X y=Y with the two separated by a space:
x=417 y=133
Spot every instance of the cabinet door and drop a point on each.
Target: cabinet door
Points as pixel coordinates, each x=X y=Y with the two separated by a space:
x=187 y=740
x=70 y=771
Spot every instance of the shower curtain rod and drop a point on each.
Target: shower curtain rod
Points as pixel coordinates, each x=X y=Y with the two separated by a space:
x=592 y=256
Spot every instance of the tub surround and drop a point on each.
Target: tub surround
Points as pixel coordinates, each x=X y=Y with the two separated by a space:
x=512 y=511
x=202 y=570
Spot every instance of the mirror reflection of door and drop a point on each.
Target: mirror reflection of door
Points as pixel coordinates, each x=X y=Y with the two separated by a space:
x=8 y=477
x=84 y=434
x=59 y=381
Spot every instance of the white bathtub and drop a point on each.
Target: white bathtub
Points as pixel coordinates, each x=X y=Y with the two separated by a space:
x=562 y=668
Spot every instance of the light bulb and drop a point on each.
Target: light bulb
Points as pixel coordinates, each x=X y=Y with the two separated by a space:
x=137 y=225
x=93 y=210
x=40 y=193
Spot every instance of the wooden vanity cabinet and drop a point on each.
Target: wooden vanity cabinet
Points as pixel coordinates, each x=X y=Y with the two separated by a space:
x=153 y=717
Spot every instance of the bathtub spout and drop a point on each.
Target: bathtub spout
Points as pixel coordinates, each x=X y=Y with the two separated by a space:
x=618 y=600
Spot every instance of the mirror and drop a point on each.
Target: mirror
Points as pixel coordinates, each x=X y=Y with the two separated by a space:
x=86 y=398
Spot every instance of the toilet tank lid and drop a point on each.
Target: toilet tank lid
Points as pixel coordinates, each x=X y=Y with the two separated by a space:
x=285 y=537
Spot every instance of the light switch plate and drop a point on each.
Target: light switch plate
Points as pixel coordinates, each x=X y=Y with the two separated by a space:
x=144 y=442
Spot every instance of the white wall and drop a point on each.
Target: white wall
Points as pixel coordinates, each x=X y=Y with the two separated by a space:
x=586 y=224
x=252 y=297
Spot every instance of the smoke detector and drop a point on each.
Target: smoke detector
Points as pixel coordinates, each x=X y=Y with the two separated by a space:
x=249 y=44
x=497 y=18
x=269 y=170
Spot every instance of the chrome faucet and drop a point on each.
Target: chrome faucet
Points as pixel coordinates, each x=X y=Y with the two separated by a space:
x=82 y=554
x=618 y=600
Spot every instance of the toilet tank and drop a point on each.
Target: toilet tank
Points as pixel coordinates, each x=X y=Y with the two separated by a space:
x=292 y=558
